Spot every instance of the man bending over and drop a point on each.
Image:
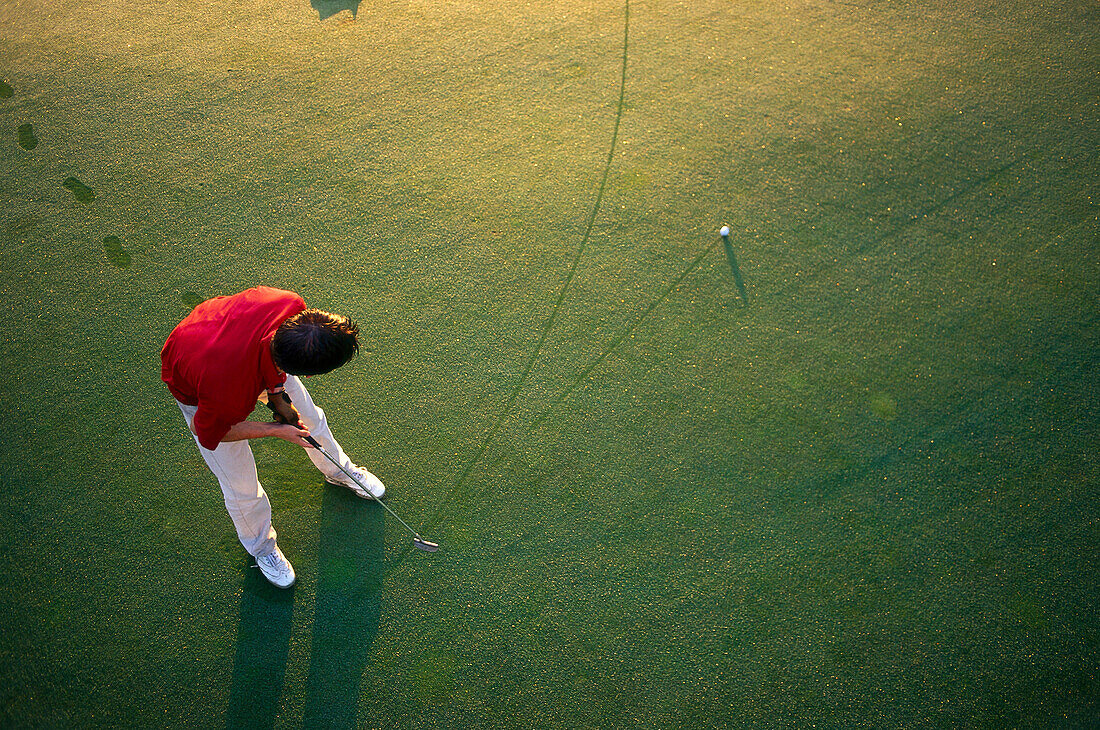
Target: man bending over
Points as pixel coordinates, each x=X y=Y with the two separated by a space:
x=229 y=353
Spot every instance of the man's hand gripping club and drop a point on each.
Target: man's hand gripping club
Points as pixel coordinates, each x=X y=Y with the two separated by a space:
x=284 y=412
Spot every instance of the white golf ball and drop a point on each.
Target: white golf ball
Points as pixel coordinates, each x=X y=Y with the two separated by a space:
x=724 y=231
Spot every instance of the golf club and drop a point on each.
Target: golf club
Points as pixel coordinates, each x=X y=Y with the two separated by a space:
x=418 y=542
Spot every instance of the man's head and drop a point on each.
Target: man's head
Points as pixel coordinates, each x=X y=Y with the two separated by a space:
x=314 y=342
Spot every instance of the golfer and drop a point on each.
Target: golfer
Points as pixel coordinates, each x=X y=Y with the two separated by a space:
x=229 y=353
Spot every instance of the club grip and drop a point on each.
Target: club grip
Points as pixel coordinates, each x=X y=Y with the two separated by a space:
x=312 y=442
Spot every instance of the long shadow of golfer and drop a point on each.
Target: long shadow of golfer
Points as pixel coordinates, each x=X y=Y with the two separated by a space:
x=349 y=581
x=263 y=639
x=349 y=601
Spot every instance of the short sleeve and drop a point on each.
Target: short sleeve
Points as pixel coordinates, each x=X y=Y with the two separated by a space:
x=209 y=429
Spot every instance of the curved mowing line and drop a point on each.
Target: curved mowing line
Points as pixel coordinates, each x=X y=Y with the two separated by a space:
x=506 y=411
x=604 y=355
x=557 y=305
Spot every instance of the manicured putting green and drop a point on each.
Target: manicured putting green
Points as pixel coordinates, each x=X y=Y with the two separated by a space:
x=838 y=470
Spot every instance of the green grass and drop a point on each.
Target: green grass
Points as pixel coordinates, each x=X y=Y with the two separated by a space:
x=856 y=487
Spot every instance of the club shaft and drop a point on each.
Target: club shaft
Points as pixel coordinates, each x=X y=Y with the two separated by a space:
x=313 y=442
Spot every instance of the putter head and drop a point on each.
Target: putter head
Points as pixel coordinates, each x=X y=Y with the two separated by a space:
x=421 y=544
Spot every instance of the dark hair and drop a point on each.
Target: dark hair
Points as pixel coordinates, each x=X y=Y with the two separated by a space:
x=314 y=342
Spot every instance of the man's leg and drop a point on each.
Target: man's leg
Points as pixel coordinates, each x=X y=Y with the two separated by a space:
x=235 y=467
x=314 y=420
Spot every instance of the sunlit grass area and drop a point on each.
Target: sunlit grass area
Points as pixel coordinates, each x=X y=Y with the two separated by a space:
x=839 y=469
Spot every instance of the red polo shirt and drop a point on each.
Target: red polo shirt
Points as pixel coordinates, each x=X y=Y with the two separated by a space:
x=219 y=357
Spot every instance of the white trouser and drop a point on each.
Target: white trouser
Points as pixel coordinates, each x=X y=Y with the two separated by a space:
x=235 y=467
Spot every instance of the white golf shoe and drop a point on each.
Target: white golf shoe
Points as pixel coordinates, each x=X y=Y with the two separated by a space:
x=377 y=488
x=276 y=568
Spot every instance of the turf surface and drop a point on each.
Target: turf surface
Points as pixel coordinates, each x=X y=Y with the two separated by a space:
x=841 y=471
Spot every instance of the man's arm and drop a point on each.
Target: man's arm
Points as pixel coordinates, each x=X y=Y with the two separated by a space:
x=258 y=429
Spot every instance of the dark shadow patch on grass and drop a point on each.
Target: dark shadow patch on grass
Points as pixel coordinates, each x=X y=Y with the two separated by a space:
x=115 y=253
x=80 y=191
x=6 y=91
x=190 y=299
x=327 y=8
x=27 y=140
